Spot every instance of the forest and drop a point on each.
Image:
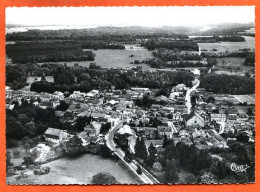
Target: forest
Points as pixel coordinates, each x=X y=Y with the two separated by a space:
x=228 y=84
x=47 y=51
x=115 y=34
x=214 y=38
x=183 y=45
x=85 y=79
x=175 y=55
x=250 y=59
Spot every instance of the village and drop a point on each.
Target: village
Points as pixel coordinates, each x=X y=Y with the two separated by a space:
x=190 y=115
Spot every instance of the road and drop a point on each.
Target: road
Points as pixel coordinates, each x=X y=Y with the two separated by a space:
x=146 y=177
x=187 y=98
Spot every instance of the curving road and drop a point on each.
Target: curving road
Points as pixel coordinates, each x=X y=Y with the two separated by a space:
x=187 y=98
x=146 y=177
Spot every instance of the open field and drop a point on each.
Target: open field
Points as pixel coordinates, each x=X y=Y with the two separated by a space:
x=19 y=160
x=249 y=99
x=32 y=79
x=80 y=171
x=114 y=58
x=230 y=65
x=229 y=46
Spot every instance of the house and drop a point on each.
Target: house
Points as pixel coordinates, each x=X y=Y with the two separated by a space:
x=155 y=106
x=77 y=95
x=242 y=117
x=177 y=116
x=194 y=119
x=183 y=133
x=218 y=117
x=156 y=143
x=231 y=118
x=140 y=89
x=92 y=93
x=57 y=95
x=179 y=87
x=55 y=135
x=216 y=139
x=98 y=116
x=165 y=130
x=149 y=132
x=93 y=129
x=180 y=108
x=126 y=129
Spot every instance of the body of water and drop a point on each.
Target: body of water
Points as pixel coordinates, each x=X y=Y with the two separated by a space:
x=46 y=27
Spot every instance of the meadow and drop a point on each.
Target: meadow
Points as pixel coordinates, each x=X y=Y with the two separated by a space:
x=115 y=58
x=232 y=66
x=80 y=171
x=228 y=46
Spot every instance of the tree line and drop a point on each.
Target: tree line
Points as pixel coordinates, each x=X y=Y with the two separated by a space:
x=47 y=51
x=84 y=79
x=228 y=84
x=183 y=45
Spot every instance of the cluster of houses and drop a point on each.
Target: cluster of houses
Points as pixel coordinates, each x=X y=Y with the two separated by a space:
x=203 y=126
x=211 y=116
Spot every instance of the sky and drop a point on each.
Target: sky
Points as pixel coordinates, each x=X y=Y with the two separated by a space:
x=128 y=16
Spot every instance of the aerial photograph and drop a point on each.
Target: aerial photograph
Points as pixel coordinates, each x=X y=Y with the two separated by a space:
x=130 y=95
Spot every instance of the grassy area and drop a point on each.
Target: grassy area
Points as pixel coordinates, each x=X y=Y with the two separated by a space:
x=80 y=171
x=232 y=66
x=113 y=58
x=19 y=160
x=229 y=46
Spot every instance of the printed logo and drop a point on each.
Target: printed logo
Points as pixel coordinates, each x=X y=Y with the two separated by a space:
x=239 y=168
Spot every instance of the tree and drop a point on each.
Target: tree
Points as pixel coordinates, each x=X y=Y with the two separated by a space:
x=105 y=127
x=171 y=172
x=23 y=119
x=63 y=106
x=104 y=151
x=157 y=166
x=8 y=159
x=128 y=156
x=211 y=99
x=104 y=178
x=248 y=75
x=10 y=143
x=14 y=128
x=16 y=153
x=207 y=178
x=190 y=179
x=73 y=147
x=80 y=123
x=84 y=77
x=166 y=141
x=139 y=170
x=28 y=159
x=249 y=112
x=140 y=148
x=152 y=155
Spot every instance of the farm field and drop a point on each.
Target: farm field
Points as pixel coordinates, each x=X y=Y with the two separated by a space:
x=80 y=171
